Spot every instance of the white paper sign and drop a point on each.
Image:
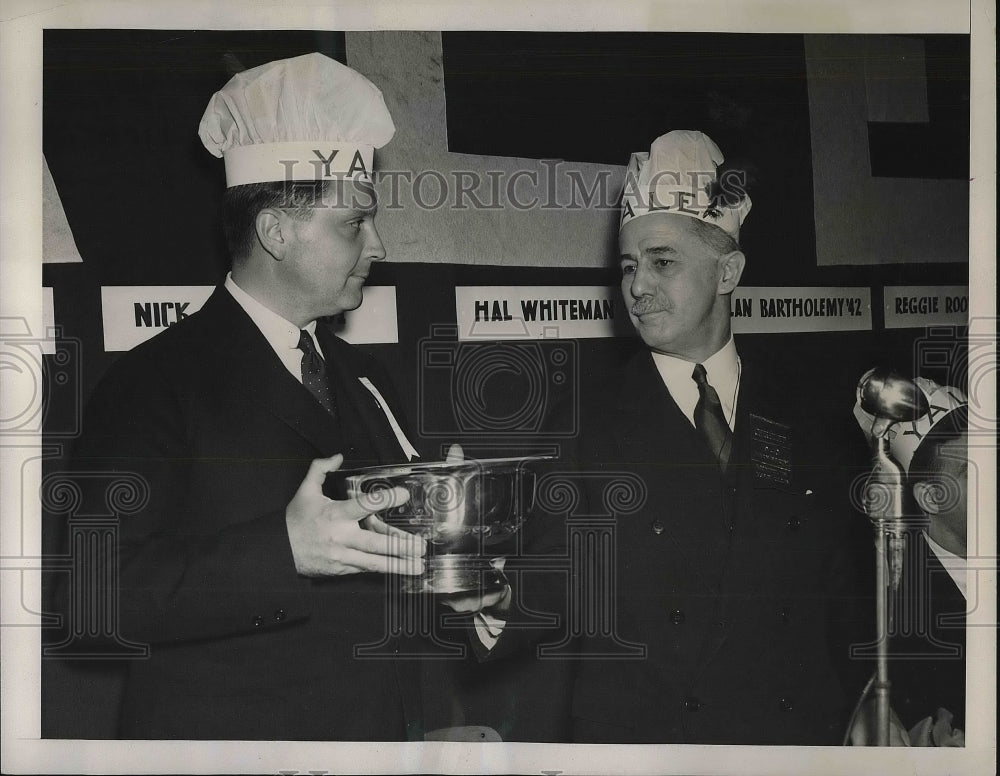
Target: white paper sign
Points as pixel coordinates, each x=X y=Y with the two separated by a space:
x=373 y=323
x=539 y=312
x=919 y=306
x=134 y=314
x=561 y=312
x=801 y=309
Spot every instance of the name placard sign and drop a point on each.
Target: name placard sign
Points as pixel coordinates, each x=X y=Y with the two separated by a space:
x=539 y=312
x=581 y=312
x=919 y=306
x=801 y=309
x=134 y=314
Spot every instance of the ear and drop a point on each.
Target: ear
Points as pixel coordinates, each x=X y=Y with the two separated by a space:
x=268 y=226
x=928 y=497
x=730 y=271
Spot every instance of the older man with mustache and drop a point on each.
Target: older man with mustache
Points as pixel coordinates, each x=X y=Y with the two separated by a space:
x=719 y=608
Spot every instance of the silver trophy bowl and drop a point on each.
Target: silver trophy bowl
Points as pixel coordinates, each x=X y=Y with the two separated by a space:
x=463 y=509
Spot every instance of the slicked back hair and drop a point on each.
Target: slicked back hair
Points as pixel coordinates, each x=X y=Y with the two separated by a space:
x=241 y=204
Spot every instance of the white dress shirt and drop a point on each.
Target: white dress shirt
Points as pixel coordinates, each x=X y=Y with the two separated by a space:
x=281 y=335
x=723 y=369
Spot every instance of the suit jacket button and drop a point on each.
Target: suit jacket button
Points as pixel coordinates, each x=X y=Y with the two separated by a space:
x=785 y=615
x=785 y=704
x=677 y=617
x=692 y=704
x=279 y=615
x=258 y=621
x=658 y=527
x=793 y=523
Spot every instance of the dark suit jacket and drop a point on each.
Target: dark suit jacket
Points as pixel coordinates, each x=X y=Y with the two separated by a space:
x=241 y=646
x=720 y=609
x=927 y=651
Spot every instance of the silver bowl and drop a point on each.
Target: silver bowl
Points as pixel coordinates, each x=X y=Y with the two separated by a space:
x=463 y=509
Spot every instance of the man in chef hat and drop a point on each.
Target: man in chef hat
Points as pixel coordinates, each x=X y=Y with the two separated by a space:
x=704 y=618
x=248 y=583
x=927 y=632
x=674 y=191
x=707 y=620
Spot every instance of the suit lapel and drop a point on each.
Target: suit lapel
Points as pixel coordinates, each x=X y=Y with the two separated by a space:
x=247 y=365
x=651 y=421
x=365 y=425
x=760 y=413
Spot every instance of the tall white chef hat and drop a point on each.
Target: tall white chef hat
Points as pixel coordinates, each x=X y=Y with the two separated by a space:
x=307 y=118
x=680 y=175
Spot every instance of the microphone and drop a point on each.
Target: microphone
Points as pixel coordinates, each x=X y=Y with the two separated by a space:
x=884 y=397
x=886 y=394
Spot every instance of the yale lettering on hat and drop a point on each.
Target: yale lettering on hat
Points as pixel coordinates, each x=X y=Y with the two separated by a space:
x=635 y=198
x=297 y=161
x=680 y=175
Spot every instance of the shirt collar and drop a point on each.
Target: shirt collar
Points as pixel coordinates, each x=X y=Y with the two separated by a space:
x=280 y=333
x=722 y=369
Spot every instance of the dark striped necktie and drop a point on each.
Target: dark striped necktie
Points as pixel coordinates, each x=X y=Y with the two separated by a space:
x=710 y=420
x=314 y=376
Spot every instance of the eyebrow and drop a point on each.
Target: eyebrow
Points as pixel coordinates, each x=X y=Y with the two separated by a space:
x=656 y=250
x=363 y=211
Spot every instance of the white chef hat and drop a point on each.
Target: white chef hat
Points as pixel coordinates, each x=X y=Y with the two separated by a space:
x=905 y=437
x=307 y=118
x=680 y=175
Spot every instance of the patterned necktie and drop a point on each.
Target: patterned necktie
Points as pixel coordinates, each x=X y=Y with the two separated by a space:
x=710 y=420
x=314 y=375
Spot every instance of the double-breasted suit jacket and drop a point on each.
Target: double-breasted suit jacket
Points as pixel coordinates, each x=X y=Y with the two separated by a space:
x=725 y=605
x=241 y=646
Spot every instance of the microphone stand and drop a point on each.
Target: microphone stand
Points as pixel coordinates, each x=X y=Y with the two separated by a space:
x=884 y=507
x=883 y=399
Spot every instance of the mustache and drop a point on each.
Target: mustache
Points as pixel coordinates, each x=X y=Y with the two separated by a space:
x=644 y=306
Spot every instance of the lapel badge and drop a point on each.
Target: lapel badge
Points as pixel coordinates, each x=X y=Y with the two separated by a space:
x=771 y=452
